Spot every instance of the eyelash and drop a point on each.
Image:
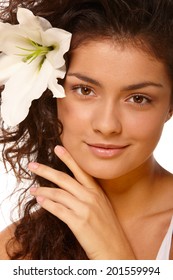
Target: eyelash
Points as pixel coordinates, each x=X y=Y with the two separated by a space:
x=80 y=87
x=147 y=99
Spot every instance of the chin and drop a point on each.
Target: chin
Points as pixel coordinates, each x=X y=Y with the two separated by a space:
x=105 y=174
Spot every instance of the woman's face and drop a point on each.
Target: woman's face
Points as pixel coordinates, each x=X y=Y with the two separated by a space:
x=117 y=101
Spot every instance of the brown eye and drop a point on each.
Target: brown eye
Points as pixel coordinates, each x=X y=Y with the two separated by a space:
x=86 y=91
x=83 y=90
x=139 y=99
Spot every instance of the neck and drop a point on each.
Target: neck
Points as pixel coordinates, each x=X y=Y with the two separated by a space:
x=131 y=195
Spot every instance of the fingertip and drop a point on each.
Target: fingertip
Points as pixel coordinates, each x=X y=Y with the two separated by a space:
x=60 y=150
x=33 y=190
x=33 y=165
x=39 y=199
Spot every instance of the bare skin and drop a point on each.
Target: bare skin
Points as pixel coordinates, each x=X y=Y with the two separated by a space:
x=5 y=236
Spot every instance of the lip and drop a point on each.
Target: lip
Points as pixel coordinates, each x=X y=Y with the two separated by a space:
x=106 y=150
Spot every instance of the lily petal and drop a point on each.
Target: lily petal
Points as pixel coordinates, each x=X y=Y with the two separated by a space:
x=60 y=39
x=21 y=89
x=36 y=24
x=26 y=18
x=55 y=88
x=12 y=43
x=9 y=65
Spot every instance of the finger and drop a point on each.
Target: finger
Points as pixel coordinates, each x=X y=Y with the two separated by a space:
x=58 y=196
x=59 y=178
x=57 y=209
x=82 y=177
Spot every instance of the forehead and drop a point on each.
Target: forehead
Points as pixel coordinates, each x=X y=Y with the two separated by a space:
x=110 y=50
x=109 y=60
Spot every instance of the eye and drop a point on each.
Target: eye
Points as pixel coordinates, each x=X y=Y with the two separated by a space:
x=139 y=99
x=83 y=90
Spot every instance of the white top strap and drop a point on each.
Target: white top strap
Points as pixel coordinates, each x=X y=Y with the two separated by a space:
x=165 y=247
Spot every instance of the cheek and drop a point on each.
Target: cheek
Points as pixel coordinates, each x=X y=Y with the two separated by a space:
x=73 y=118
x=62 y=109
x=148 y=128
x=73 y=112
x=66 y=113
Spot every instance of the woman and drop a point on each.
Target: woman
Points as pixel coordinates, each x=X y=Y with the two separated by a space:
x=98 y=193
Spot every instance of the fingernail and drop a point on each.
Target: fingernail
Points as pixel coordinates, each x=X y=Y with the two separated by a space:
x=33 y=165
x=39 y=199
x=60 y=150
x=33 y=189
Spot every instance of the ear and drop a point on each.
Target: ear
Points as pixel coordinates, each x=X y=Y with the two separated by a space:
x=169 y=115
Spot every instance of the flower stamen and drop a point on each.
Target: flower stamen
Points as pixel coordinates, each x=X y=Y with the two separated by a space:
x=38 y=51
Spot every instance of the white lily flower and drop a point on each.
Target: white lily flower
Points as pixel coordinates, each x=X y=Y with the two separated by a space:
x=31 y=61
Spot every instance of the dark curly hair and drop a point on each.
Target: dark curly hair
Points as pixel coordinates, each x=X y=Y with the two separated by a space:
x=148 y=24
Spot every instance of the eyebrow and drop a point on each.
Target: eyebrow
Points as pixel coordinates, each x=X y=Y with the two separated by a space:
x=143 y=85
x=85 y=79
x=126 y=88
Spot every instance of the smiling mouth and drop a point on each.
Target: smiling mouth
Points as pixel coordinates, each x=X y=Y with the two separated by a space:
x=106 y=150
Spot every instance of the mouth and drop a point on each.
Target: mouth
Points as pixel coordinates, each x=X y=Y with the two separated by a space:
x=106 y=150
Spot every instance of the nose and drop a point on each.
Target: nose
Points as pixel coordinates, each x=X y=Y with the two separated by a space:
x=107 y=119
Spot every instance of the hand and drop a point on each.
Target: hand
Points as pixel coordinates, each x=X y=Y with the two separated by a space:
x=84 y=207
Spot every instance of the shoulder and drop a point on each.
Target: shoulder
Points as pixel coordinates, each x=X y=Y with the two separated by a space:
x=5 y=236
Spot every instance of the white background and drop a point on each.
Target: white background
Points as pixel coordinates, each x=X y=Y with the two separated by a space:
x=163 y=154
